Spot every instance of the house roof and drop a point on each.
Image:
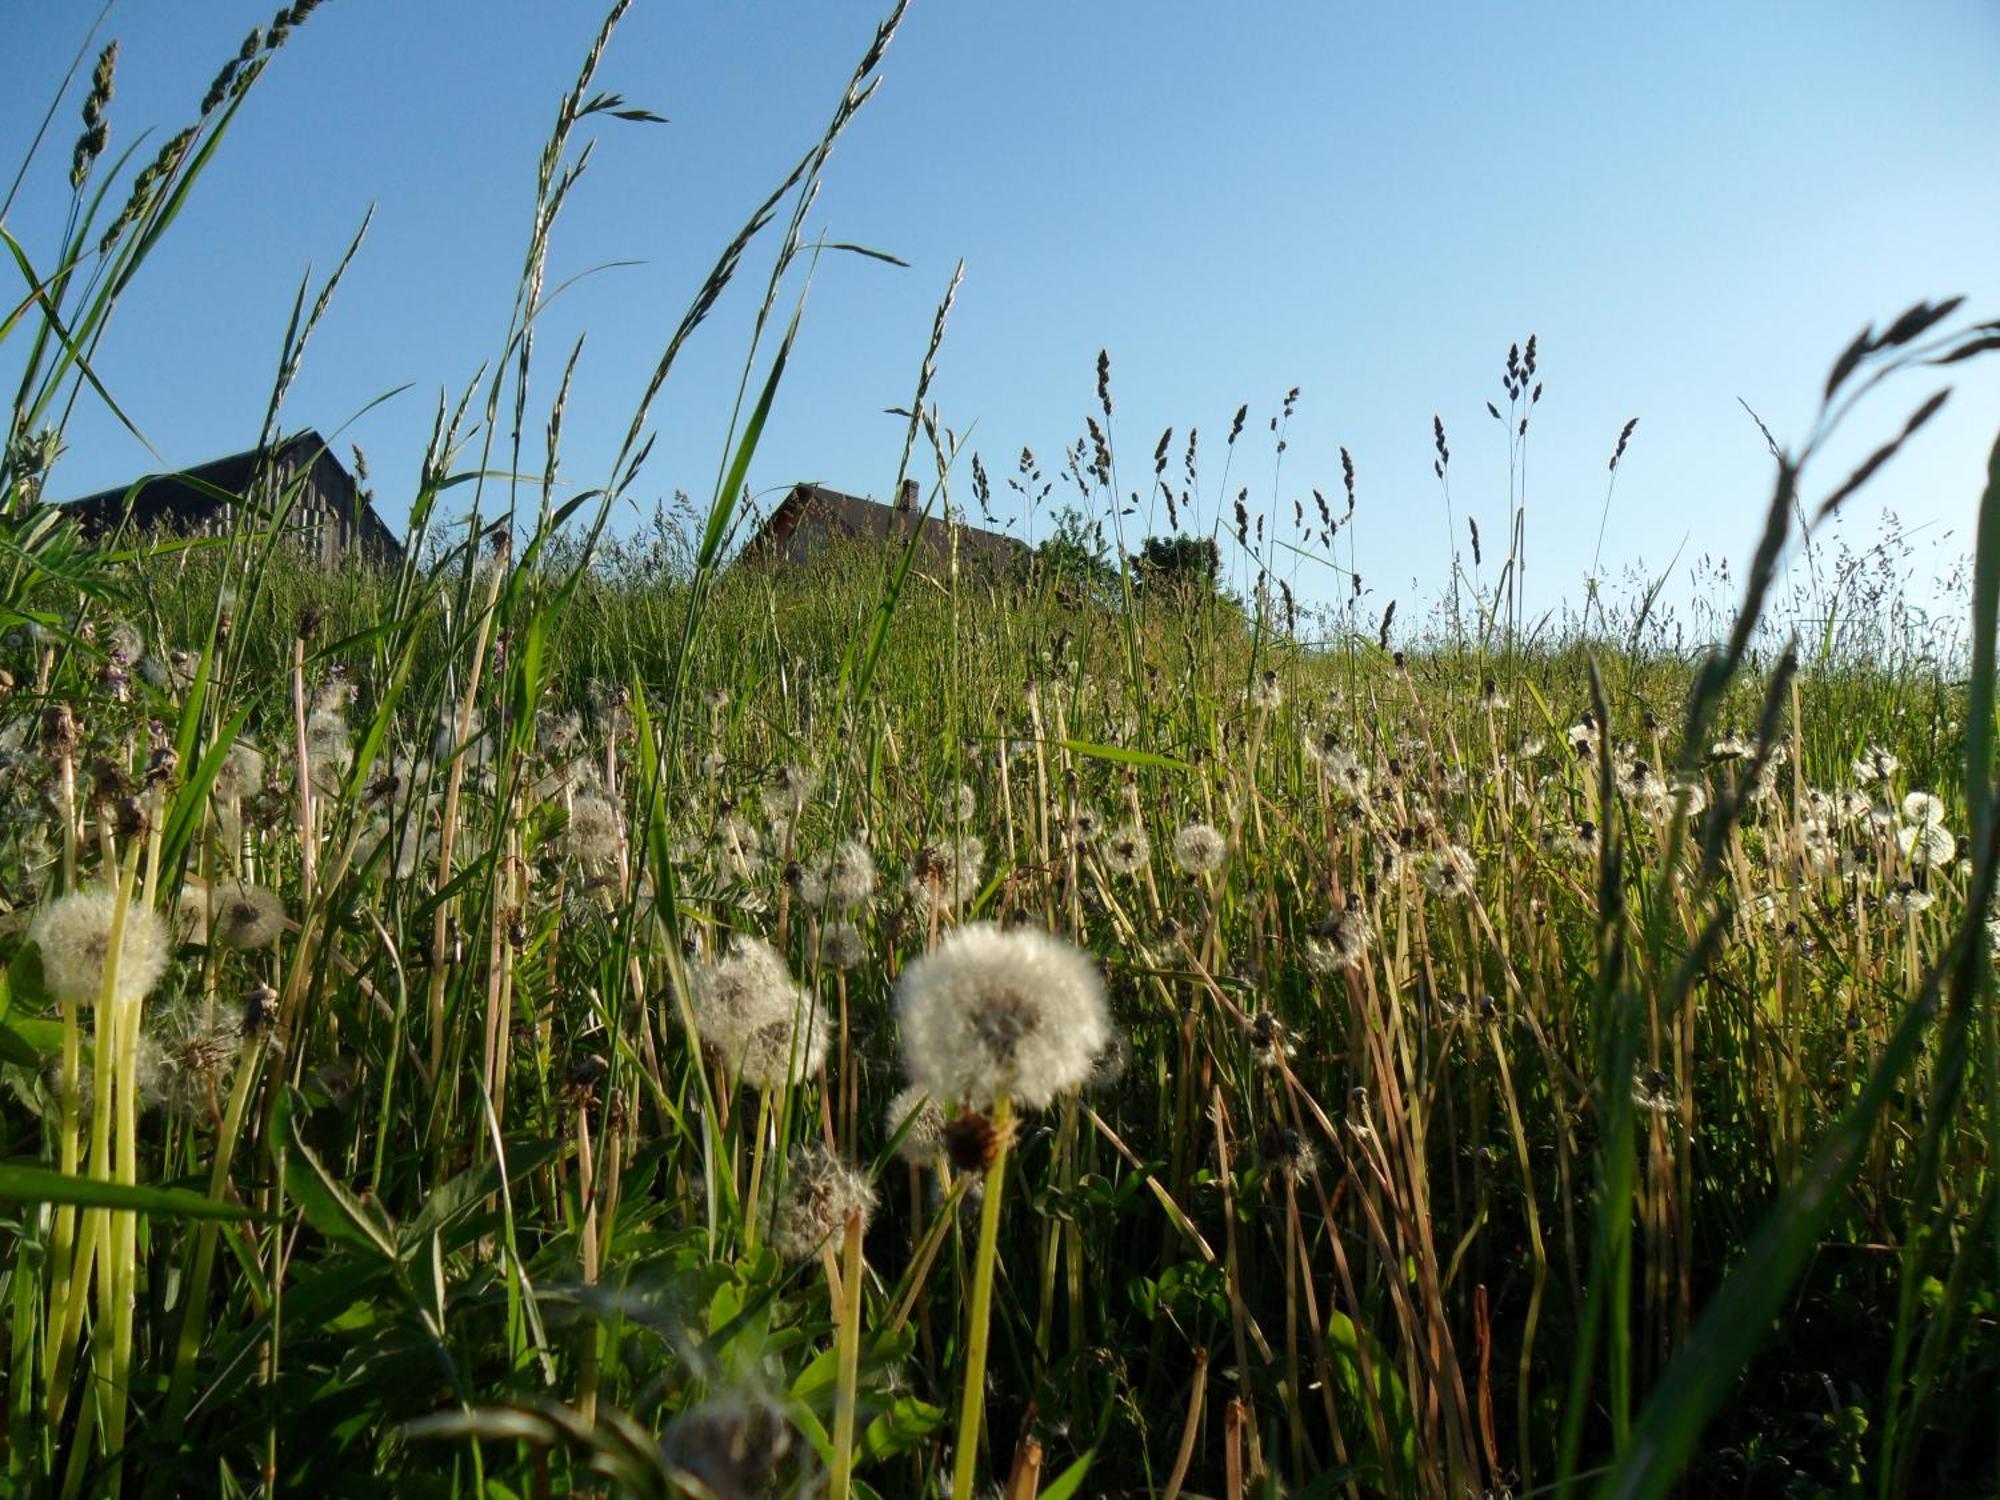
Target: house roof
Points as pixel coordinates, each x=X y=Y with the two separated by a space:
x=861 y=519
x=182 y=498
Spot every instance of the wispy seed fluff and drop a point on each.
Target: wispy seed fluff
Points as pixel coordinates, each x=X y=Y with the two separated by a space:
x=732 y=1444
x=962 y=803
x=1200 y=849
x=991 y=1012
x=947 y=875
x=841 y=946
x=592 y=835
x=1126 y=850
x=74 y=935
x=1927 y=843
x=748 y=1009
x=843 y=879
x=246 y=916
x=329 y=750
x=787 y=789
x=1450 y=872
x=1341 y=941
x=923 y=1143
x=241 y=774
x=821 y=1193
x=1875 y=764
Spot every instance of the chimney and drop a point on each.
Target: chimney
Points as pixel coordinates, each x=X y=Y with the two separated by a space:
x=906 y=496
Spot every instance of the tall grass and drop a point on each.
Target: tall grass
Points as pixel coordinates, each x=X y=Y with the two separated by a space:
x=1542 y=1061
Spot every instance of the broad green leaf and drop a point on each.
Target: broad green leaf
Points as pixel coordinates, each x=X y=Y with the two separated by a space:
x=329 y=1207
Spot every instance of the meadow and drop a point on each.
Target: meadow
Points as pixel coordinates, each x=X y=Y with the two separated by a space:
x=581 y=1014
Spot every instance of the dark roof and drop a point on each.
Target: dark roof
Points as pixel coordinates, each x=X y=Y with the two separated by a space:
x=856 y=518
x=183 y=500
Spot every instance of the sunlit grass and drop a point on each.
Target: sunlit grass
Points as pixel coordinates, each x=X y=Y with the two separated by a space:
x=607 y=1017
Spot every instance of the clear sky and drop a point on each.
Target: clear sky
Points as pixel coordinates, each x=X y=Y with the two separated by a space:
x=1688 y=204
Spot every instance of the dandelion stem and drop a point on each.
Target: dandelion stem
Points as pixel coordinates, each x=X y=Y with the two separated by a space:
x=974 y=1404
x=850 y=1360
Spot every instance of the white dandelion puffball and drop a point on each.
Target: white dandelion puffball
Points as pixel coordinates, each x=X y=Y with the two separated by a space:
x=922 y=1142
x=241 y=774
x=74 y=935
x=1450 y=873
x=1875 y=764
x=747 y=1007
x=991 y=1012
x=822 y=1193
x=1126 y=850
x=1927 y=844
x=1923 y=809
x=247 y=916
x=848 y=875
x=1200 y=849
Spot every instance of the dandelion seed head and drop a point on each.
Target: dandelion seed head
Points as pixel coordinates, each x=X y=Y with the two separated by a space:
x=195 y=1054
x=1199 y=849
x=994 y=1012
x=1340 y=941
x=738 y=847
x=923 y=1143
x=1126 y=850
x=333 y=698
x=241 y=774
x=1111 y=1064
x=1086 y=824
x=1270 y=1039
x=246 y=916
x=841 y=946
x=329 y=750
x=962 y=803
x=746 y=1006
x=785 y=1049
x=1927 y=845
x=730 y=1446
x=821 y=1194
x=123 y=643
x=1875 y=765
x=73 y=933
x=1923 y=809
x=1450 y=873
x=1287 y=1153
x=1906 y=901
x=788 y=788
x=947 y=875
x=592 y=837
x=1653 y=1092
x=849 y=875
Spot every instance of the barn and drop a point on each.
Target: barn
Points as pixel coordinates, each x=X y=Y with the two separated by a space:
x=812 y=517
x=329 y=514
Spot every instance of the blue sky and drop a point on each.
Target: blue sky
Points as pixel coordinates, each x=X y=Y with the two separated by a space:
x=1687 y=204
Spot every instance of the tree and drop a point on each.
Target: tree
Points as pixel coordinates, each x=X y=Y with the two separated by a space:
x=1180 y=567
x=1074 y=558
